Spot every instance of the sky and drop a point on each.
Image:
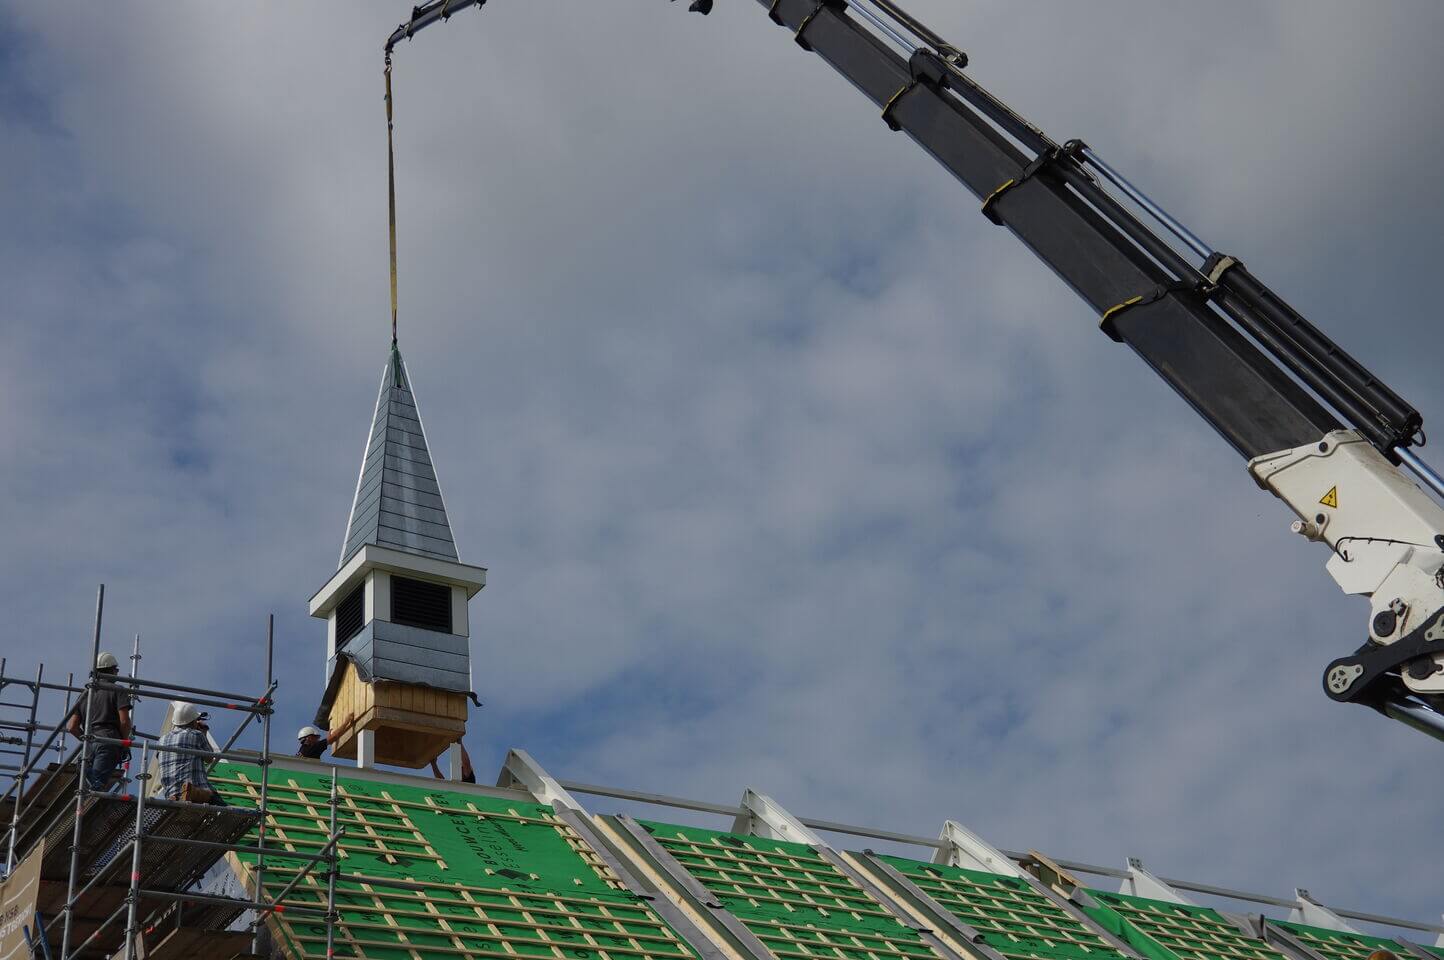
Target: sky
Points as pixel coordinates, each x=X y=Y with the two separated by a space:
x=789 y=469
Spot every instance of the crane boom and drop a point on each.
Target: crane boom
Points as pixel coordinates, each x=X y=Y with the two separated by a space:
x=1318 y=430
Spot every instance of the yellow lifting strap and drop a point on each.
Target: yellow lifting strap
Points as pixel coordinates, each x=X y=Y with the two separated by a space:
x=391 y=194
x=798 y=37
x=1143 y=299
x=1119 y=308
x=892 y=101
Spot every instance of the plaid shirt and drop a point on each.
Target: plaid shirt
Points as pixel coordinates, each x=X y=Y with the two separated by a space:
x=182 y=768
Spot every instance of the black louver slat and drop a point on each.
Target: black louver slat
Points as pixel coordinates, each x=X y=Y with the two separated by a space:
x=417 y=603
x=350 y=615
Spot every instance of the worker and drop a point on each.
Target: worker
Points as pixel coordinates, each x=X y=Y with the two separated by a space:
x=109 y=718
x=468 y=775
x=312 y=744
x=183 y=775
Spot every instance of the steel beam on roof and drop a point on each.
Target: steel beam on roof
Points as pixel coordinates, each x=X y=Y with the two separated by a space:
x=658 y=799
x=1174 y=885
x=1415 y=950
x=1141 y=883
x=960 y=847
x=1285 y=941
x=979 y=852
x=521 y=771
x=1228 y=893
x=762 y=816
x=1393 y=922
x=728 y=810
x=690 y=896
x=925 y=930
x=964 y=939
x=1309 y=911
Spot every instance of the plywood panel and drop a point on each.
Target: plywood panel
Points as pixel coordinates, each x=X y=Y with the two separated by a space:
x=413 y=724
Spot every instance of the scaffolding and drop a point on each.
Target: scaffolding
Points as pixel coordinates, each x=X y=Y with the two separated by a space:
x=78 y=839
x=444 y=870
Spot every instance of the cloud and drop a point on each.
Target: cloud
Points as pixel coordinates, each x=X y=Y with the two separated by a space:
x=790 y=470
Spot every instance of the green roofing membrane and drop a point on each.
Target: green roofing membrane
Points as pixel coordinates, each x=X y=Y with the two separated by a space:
x=1013 y=918
x=499 y=878
x=1162 y=930
x=1339 y=944
x=793 y=900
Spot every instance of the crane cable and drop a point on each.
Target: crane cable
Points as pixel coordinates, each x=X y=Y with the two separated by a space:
x=391 y=194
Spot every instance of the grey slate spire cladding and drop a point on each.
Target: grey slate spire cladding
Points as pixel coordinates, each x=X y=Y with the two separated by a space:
x=398 y=501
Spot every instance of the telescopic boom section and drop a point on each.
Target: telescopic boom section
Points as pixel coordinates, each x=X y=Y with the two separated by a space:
x=1318 y=429
x=426 y=14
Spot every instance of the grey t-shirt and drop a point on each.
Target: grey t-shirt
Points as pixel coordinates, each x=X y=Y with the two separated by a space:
x=105 y=707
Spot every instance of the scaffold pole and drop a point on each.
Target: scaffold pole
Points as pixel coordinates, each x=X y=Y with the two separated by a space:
x=81 y=783
x=132 y=913
x=265 y=780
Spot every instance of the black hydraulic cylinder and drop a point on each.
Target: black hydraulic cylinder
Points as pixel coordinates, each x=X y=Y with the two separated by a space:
x=1382 y=415
x=1228 y=380
x=1304 y=365
x=1284 y=350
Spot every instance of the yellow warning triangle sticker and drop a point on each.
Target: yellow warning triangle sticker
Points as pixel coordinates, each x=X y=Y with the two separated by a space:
x=1331 y=499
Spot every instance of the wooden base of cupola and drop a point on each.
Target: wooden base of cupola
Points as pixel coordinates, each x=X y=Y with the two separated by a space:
x=412 y=724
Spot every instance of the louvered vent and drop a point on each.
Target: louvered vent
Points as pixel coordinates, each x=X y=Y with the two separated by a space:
x=418 y=603
x=350 y=615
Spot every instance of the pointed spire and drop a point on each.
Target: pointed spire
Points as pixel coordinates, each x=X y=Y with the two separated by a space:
x=398 y=501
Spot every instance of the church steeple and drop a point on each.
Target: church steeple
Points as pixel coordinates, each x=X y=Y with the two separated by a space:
x=398 y=660
x=398 y=500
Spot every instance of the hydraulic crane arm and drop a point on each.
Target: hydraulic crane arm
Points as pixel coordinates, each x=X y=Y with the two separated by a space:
x=1318 y=430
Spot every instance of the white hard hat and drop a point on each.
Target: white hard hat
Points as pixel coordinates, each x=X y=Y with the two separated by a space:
x=107 y=661
x=183 y=714
x=305 y=732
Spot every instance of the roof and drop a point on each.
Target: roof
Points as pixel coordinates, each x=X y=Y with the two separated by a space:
x=398 y=499
x=434 y=870
x=484 y=876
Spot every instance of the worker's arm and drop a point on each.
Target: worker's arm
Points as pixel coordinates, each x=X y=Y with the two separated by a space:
x=465 y=764
x=340 y=731
x=123 y=717
x=193 y=739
